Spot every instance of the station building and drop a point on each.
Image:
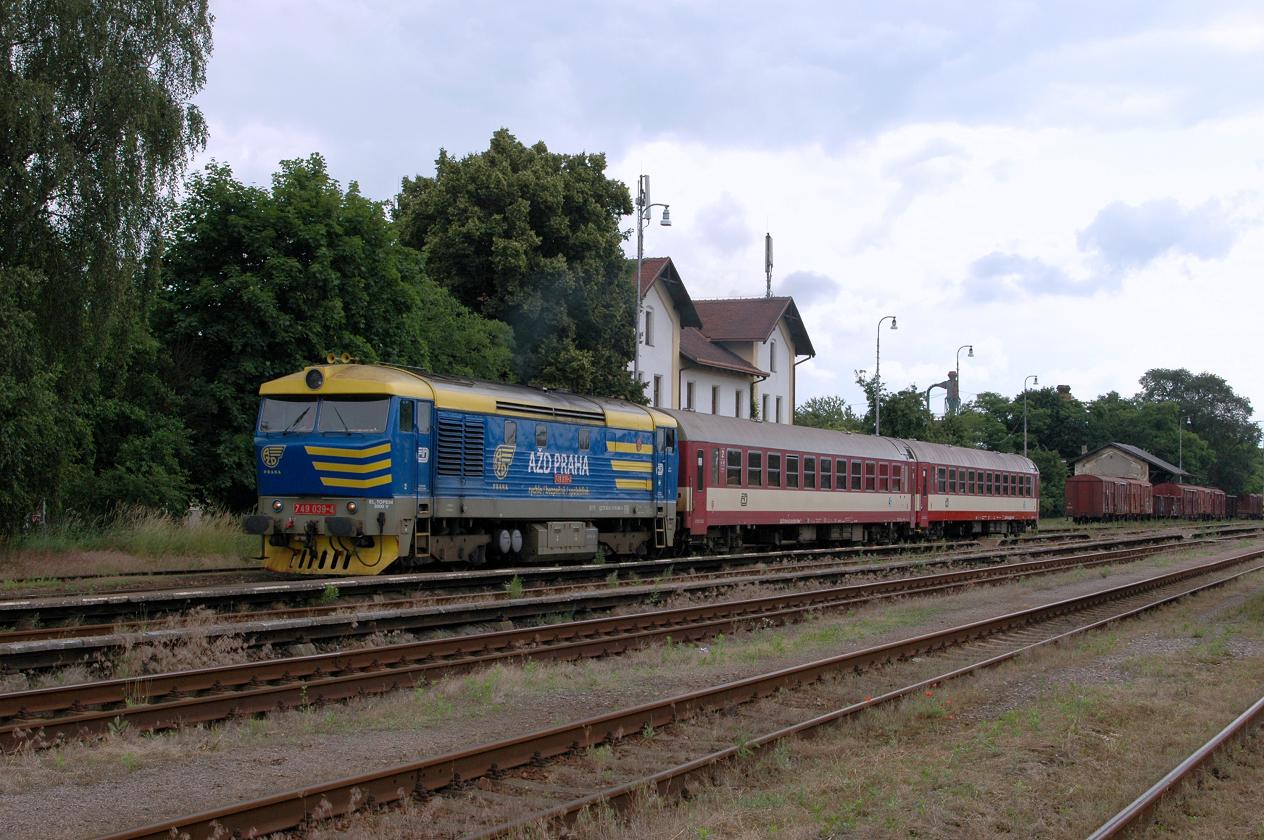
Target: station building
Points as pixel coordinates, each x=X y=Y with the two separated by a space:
x=735 y=357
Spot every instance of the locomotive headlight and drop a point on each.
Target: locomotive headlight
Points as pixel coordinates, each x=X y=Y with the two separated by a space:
x=352 y=507
x=315 y=379
x=278 y=505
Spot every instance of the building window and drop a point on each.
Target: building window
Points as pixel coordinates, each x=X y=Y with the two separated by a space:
x=733 y=468
x=809 y=469
x=689 y=395
x=774 y=469
x=715 y=399
x=737 y=403
x=764 y=409
x=754 y=469
x=772 y=357
x=658 y=389
x=649 y=327
x=778 y=409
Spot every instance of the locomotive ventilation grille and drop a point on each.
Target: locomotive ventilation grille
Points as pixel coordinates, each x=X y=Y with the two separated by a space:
x=460 y=446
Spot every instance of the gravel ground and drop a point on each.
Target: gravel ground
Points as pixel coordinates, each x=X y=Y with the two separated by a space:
x=128 y=780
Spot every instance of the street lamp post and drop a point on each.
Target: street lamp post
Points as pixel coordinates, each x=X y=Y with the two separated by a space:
x=969 y=355
x=955 y=399
x=877 y=377
x=1034 y=381
x=1181 y=423
x=643 y=209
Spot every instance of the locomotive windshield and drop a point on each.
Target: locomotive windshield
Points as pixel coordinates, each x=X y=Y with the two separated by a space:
x=354 y=415
x=346 y=415
x=287 y=414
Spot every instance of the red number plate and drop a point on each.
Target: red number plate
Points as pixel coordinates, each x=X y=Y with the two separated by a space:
x=315 y=508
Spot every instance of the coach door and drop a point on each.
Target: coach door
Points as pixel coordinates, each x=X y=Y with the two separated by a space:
x=923 y=496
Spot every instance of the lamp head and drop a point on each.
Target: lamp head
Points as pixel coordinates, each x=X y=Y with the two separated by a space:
x=893 y=322
x=970 y=355
x=1035 y=380
x=666 y=222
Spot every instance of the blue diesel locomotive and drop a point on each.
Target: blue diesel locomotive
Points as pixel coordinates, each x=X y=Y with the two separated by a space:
x=361 y=466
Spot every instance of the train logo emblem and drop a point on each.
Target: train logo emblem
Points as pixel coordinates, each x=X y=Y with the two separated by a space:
x=271 y=455
x=501 y=459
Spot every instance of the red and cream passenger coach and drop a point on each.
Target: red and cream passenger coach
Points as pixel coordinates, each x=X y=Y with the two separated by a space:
x=744 y=482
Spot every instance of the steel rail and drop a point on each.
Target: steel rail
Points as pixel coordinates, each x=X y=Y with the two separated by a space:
x=17 y=612
x=251 y=688
x=1144 y=804
x=292 y=808
x=58 y=652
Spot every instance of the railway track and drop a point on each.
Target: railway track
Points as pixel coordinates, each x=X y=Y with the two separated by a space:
x=1139 y=809
x=43 y=717
x=38 y=614
x=95 y=645
x=541 y=777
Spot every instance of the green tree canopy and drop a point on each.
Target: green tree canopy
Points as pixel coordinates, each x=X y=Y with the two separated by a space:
x=257 y=283
x=828 y=413
x=532 y=238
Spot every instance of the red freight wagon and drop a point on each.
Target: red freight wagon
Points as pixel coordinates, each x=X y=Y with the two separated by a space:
x=1187 y=501
x=1091 y=498
x=1250 y=506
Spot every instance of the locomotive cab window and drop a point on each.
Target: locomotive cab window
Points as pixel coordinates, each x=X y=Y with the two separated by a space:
x=354 y=415
x=423 y=418
x=792 y=470
x=733 y=468
x=511 y=433
x=287 y=414
x=541 y=435
x=809 y=472
x=774 y=469
x=406 y=415
x=754 y=469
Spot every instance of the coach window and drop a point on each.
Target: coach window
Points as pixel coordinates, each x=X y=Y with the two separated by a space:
x=952 y=480
x=809 y=472
x=699 y=470
x=987 y=484
x=941 y=479
x=406 y=415
x=827 y=473
x=774 y=469
x=792 y=470
x=884 y=477
x=855 y=475
x=970 y=482
x=511 y=433
x=733 y=468
x=1005 y=484
x=541 y=435
x=585 y=438
x=871 y=475
x=715 y=468
x=754 y=469
x=897 y=478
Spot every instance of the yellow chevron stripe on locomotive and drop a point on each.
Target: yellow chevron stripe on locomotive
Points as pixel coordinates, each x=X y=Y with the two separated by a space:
x=335 y=480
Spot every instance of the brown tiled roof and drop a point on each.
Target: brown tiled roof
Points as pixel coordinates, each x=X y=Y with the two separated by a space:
x=662 y=270
x=702 y=351
x=753 y=319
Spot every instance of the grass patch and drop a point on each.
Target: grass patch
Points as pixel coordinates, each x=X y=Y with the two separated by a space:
x=142 y=532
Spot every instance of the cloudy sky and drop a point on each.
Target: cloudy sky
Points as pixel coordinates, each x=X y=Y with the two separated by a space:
x=1075 y=188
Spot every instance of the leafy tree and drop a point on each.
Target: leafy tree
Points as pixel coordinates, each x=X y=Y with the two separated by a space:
x=532 y=238
x=257 y=283
x=831 y=412
x=1053 y=476
x=96 y=127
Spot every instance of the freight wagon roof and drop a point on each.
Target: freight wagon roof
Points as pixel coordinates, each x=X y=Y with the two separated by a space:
x=961 y=456
x=469 y=395
x=711 y=428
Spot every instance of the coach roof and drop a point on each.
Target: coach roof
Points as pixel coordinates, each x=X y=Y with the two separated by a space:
x=961 y=456
x=711 y=428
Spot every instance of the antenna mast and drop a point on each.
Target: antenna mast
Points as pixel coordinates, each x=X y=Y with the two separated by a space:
x=768 y=264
